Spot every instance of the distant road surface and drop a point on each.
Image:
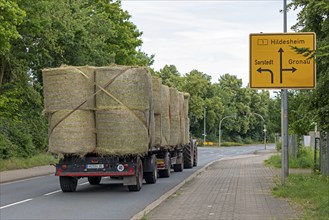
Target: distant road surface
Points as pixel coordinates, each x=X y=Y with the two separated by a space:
x=41 y=197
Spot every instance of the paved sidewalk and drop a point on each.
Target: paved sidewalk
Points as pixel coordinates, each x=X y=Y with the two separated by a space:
x=228 y=189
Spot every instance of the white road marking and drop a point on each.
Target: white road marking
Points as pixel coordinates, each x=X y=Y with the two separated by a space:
x=16 y=203
x=57 y=191
x=81 y=184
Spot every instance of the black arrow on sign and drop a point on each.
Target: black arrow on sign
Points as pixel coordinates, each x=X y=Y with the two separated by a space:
x=293 y=69
x=260 y=70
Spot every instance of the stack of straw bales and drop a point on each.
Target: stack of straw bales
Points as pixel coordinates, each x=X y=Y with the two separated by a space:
x=181 y=118
x=123 y=113
x=175 y=130
x=157 y=107
x=165 y=119
x=65 y=88
x=113 y=110
x=187 y=120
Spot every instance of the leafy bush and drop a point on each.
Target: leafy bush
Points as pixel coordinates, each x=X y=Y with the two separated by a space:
x=16 y=139
x=7 y=148
x=248 y=140
x=304 y=159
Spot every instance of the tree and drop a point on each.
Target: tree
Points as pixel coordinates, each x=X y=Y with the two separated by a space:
x=35 y=34
x=314 y=17
x=11 y=16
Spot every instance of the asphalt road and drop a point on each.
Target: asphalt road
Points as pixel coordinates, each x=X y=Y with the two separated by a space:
x=41 y=197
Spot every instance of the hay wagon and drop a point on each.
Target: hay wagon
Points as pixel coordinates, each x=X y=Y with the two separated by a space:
x=118 y=122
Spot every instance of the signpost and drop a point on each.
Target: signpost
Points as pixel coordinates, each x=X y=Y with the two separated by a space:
x=274 y=64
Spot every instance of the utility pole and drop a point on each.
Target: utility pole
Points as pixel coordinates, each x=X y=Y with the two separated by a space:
x=284 y=114
x=204 y=125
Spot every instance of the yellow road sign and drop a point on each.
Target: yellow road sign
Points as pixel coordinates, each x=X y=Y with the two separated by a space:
x=274 y=64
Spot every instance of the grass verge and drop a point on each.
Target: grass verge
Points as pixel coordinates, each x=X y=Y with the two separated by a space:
x=23 y=163
x=310 y=191
x=305 y=159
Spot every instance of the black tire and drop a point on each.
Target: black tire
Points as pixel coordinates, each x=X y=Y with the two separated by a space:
x=188 y=156
x=139 y=177
x=180 y=166
x=166 y=172
x=68 y=184
x=151 y=177
x=94 y=180
x=195 y=161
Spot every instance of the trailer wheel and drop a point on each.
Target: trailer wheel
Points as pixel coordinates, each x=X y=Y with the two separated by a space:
x=180 y=166
x=166 y=172
x=151 y=177
x=138 y=176
x=188 y=156
x=195 y=161
x=94 y=180
x=68 y=184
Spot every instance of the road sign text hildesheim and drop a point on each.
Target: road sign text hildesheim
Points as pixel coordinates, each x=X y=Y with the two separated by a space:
x=274 y=64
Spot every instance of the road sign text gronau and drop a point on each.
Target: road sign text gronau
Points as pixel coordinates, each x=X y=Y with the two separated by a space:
x=275 y=64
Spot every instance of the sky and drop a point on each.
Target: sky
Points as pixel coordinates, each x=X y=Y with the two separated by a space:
x=211 y=36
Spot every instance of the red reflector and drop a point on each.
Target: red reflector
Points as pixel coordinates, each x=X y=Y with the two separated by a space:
x=126 y=165
x=64 y=166
x=59 y=170
x=131 y=170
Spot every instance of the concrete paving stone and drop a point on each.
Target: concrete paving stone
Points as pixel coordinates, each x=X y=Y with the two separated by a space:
x=228 y=189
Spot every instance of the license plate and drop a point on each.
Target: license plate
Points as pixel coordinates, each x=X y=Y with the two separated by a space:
x=95 y=166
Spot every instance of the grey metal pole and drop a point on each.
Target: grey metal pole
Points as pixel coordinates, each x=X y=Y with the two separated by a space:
x=204 y=126
x=284 y=114
x=220 y=126
x=265 y=135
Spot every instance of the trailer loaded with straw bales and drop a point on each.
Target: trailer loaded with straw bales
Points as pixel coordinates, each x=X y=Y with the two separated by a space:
x=115 y=121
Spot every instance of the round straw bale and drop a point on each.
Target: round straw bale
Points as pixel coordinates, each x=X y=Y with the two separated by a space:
x=122 y=132
x=187 y=130
x=165 y=120
x=67 y=87
x=182 y=118
x=156 y=95
x=74 y=135
x=158 y=129
x=174 y=118
x=186 y=99
x=152 y=130
x=133 y=88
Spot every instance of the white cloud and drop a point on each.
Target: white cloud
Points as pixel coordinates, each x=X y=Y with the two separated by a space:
x=210 y=36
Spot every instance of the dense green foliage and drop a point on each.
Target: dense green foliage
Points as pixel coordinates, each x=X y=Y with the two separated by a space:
x=308 y=191
x=36 y=34
x=312 y=105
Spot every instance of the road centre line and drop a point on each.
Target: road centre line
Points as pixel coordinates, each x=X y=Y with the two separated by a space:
x=81 y=184
x=57 y=191
x=16 y=203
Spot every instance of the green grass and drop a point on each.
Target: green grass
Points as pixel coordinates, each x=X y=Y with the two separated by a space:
x=23 y=163
x=305 y=159
x=309 y=191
